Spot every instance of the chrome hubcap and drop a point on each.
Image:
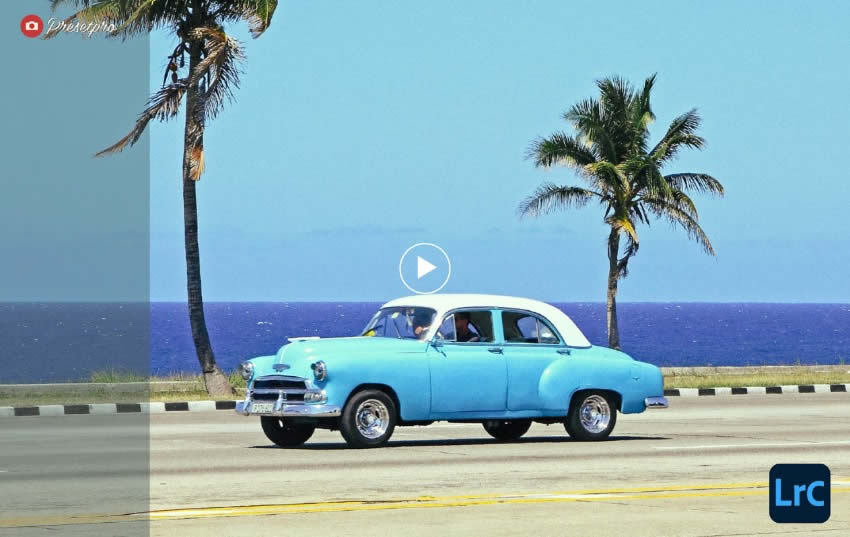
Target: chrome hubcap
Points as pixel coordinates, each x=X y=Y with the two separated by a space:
x=595 y=414
x=372 y=418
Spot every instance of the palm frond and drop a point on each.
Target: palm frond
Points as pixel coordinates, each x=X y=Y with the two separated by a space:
x=642 y=116
x=683 y=202
x=219 y=68
x=549 y=196
x=618 y=102
x=163 y=105
x=629 y=252
x=138 y=14
x=623 y=223
x=677 y=199
x=258 y=13
x=635 y=166
x=588 y=118
x=696 y=182
x=142 y=16
x=615 y=95
x=54 y=4
x=680 y=133
x=642 y=107
x=679 y=217
x=560 y=148
x=651 y=183
x=608 y=177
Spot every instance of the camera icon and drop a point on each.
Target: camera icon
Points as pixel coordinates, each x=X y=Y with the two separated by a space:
x=32 y=25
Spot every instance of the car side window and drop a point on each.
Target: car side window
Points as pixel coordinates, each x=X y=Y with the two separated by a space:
x=545 y=333
x=467 y=326
x=522 y=327
x=527 y=327
x=447 y=329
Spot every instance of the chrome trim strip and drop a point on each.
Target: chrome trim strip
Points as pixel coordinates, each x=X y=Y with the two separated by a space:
x=294 y=410
x=280 y=377
x=655 y=402
x=285 y=390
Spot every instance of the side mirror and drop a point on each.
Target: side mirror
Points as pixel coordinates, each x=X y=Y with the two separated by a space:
x=436 y=342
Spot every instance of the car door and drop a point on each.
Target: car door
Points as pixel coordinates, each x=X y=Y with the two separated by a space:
x=467 y=376
x=531 y=344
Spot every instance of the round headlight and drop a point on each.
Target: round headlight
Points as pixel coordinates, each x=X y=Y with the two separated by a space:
x=320 y=370
x=246 y=369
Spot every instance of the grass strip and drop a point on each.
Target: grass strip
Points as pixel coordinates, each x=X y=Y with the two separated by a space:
x=194 y=389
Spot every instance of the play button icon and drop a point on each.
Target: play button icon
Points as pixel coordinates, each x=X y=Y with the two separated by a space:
x=424 y=268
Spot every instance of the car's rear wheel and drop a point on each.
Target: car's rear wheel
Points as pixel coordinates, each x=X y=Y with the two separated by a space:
x=592 y=416
x=284 y=432
x=507 y=429
x=368 y=419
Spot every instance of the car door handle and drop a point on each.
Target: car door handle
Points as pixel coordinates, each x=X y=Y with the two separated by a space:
x=496 y=350
x=565 y=352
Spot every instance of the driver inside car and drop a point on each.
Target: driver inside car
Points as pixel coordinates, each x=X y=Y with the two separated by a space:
x=464 y=334
x=421 y=324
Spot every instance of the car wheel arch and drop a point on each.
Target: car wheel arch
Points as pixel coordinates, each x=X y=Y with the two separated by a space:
x=377 y=386
x=617 y=397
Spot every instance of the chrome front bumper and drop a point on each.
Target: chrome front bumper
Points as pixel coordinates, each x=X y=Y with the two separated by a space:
x=656 y=402
x=284 y=410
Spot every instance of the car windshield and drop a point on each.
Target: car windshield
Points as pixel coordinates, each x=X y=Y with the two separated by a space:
x=401 y=323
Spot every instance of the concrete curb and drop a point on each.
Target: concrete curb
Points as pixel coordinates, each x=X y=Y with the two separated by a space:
x=212 y=406
x=116 y=408
x=758 y=390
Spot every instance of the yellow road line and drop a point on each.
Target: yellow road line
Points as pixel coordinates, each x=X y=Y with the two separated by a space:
x=262 y=510
x=586 y=495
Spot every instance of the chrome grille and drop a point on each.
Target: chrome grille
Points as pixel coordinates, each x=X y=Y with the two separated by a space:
x=289 y=397
x=280 y=383
x=279 y=387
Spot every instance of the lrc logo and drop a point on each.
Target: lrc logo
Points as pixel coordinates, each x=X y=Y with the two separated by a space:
x=799 y=493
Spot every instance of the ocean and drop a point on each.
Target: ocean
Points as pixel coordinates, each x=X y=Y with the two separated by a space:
x=59 y=342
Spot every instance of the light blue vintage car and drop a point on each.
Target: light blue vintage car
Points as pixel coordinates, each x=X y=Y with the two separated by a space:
x=504 y=362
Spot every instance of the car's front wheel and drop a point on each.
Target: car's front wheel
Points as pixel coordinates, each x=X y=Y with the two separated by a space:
x=592 y=416
x=507 y=429
x=284 y=432
x=368 y=419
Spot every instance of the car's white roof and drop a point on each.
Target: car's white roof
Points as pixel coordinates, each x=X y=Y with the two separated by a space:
x=443 y=303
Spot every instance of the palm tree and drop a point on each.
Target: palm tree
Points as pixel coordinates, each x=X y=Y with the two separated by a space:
x=612 y=154
x=207 y=81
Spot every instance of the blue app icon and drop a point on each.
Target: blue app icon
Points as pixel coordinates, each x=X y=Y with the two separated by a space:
x=799 y=493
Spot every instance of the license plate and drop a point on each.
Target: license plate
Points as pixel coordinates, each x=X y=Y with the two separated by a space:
x=262 y=408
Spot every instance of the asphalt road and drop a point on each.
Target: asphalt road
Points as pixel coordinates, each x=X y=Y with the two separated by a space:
x=699 y=468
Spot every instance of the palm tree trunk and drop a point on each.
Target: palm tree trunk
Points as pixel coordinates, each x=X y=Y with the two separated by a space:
x=215 y=380
x=613 y=277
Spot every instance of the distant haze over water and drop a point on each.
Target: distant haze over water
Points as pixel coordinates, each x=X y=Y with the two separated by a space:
x=57 y=342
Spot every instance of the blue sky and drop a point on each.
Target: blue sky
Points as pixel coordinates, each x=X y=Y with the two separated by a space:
x=362 y=128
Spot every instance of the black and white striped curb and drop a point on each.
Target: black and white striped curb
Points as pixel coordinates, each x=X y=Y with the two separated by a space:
x=211 y=406
x=759 y=390
x=116 y=408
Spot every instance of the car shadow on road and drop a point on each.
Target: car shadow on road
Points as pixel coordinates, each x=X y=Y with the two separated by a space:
x=465 y=442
